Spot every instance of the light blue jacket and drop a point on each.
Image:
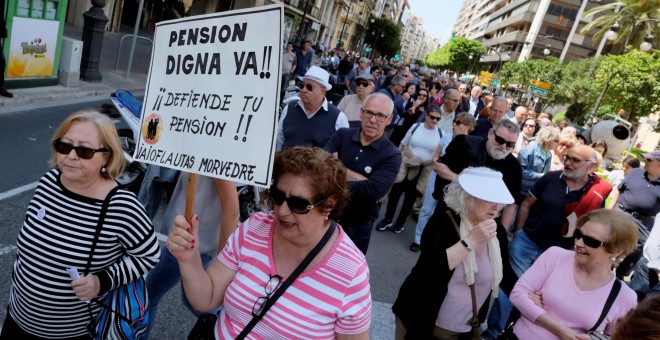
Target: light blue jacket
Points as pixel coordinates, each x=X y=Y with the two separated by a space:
x=534 y=163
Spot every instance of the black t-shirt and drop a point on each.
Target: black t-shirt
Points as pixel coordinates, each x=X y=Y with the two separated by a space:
x=345 y=66
x=470 y=151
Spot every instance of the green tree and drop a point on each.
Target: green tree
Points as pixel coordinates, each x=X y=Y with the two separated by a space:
x=643 y=13
x=632 y=82
x=455 y=55
x=549 y=70
x=390 y=43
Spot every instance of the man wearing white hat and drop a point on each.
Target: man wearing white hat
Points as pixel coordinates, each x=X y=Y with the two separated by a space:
x=311 y=120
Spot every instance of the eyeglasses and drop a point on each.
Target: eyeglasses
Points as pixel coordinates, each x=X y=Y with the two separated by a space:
x=574 y=160
x=588 y=240
x=381 y=117
x=436 y=118
x=297 y=205
x=564 y=144
x=529 y=125
x=499 y=140
x=83 y=152
x=309 y=87
x=362 y=83
x=274 y=282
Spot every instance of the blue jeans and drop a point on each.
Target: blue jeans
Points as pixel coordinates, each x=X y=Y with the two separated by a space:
x=360 y=235
x=522 y=252
x=428 y=207
x=162 y=278
x=499 y=314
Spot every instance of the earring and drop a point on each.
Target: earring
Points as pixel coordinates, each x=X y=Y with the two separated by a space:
x=103 y=169
x=326 y=217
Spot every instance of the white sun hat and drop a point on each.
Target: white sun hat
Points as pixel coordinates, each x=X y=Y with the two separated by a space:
x=485 y=184
x=318 y=75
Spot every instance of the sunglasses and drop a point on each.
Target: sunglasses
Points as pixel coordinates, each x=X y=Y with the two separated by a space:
x=309 y=87
x=271 y=286
x=529 y=125
x=362 y=83
x=458 y=122
x=83 y=152
x=588 y=240
x=432 y=117
x=501 y=141
x=422 y=95
x=297 y=205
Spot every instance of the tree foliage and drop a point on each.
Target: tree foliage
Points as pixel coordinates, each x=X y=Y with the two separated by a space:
x=390 y=43
x=637 y=16
x=632 y=79
x=455 y=55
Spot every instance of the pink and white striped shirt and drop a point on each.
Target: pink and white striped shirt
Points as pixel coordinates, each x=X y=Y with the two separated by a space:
x=333 y=297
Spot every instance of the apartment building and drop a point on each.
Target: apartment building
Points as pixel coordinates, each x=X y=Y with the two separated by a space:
x=522 y=29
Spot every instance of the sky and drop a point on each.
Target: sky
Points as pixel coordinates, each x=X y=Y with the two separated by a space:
x=439 y=15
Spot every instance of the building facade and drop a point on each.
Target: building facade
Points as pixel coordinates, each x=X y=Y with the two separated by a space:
x=524 y=29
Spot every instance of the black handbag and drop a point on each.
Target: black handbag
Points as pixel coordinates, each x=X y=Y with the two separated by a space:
x=204 y=328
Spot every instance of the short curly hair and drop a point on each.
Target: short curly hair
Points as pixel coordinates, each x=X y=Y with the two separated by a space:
x=326 y=176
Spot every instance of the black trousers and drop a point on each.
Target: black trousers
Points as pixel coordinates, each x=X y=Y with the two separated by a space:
x=406 y=187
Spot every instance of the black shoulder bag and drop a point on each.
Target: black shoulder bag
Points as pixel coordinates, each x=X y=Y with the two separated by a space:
x=204 y=329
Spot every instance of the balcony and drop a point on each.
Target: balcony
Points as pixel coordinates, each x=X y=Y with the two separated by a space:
x=516 y=36
x=518 y=19
x=299 y=7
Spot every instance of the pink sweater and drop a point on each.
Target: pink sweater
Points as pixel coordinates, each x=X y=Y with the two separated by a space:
x=333 y=297
x=552 y=274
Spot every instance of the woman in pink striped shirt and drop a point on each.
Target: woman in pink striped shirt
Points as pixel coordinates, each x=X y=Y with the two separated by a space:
x=330 y=299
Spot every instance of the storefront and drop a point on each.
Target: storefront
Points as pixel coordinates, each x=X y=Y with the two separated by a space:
x=33 y=44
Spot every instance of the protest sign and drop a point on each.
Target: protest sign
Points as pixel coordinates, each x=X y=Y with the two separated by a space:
x=212 y=95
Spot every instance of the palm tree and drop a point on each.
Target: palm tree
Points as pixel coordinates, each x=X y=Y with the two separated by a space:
x=642 y=17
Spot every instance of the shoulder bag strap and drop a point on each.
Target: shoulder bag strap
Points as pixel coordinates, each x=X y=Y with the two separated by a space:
x=608 y=304
x=271 y=301
x=99 y=226
x=474 y=322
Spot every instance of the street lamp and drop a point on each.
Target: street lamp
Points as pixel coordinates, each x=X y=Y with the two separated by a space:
x=647 y=45
x=546 y=51
x=376 y=40
x=470 y=57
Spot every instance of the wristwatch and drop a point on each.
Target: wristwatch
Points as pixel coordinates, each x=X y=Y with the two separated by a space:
x=466 y=245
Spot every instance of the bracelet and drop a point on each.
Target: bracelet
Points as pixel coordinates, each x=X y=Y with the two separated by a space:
x=466 y=245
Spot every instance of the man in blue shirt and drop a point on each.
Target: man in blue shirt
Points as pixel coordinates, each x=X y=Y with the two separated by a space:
x=304 y=58
x=372 y=162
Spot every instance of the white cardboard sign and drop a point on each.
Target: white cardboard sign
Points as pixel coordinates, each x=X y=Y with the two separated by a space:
x=212 y=95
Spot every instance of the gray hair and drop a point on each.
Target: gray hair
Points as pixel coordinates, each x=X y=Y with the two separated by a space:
x=499 y=99
x=397 y=80
x=382 y=96
x=547 y=134
x=507 y=124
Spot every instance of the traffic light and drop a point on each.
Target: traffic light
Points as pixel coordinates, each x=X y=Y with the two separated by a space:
x=368 y=49
x=397 y=57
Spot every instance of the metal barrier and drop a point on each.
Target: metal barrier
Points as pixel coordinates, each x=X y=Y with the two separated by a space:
x=130 y=59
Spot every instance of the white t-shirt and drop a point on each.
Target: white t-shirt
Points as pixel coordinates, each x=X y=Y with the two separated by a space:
x=423 y=142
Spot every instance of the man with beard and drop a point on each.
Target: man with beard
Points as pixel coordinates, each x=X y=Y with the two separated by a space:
x=471 y=151
x=547 y=217
x=372 y=162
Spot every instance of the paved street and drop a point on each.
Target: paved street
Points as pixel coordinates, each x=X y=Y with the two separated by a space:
x=24 y=138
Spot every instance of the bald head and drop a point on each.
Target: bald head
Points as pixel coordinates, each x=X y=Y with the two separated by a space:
x=521 y=114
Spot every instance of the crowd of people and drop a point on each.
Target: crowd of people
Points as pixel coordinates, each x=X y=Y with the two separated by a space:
x=515 y=233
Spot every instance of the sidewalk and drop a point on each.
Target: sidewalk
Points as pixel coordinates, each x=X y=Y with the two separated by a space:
x=56 y=95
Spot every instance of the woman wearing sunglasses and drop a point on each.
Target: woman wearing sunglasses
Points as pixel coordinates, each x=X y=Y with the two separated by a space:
x=330 y=299
x=562 y=295
x=59 y=229
x=465 y=253
x=415 y=108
